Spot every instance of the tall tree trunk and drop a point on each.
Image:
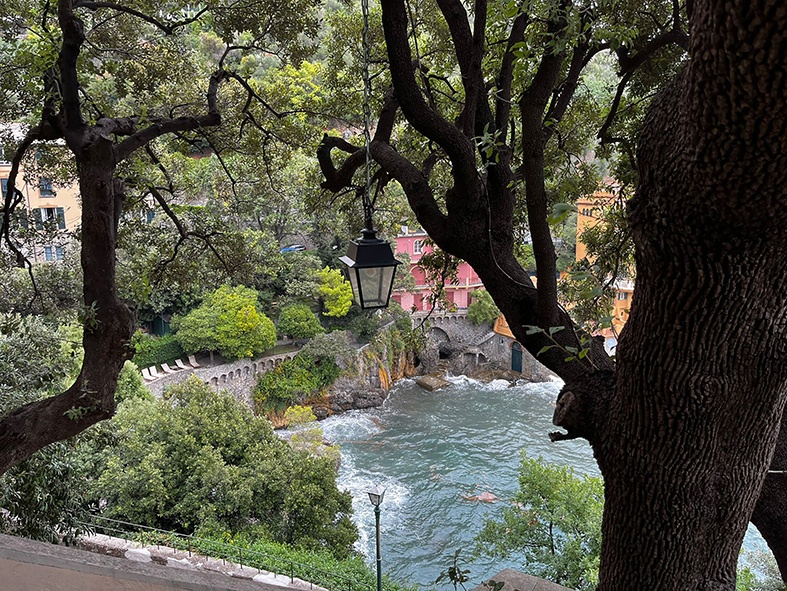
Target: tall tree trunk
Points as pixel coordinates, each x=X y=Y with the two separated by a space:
x=702 y=363
x=685 y=425
x=107 y=322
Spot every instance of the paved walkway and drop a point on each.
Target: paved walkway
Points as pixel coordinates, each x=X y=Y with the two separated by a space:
x=163 y=555
x=28 y=565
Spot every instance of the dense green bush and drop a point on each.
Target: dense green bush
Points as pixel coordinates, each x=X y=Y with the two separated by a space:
x=316 y=565
x=333 y=345
x=200 y=460
x=228 y=321
x=42 y=497
x=292 y=381
x=362 y=324
x=482 y=308
x=151 y=350
x=299 y=322
x=554 y=525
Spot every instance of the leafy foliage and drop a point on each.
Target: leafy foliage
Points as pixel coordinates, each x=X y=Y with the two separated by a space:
x=43 y=497
x=335 y=291
x=200 y=460
x=334 y=346
x=299 y=322
x=152 y=350
x=306 y=434
x=293 y=381
x=131 y=385
x=482 y=308
x=35 y=359
x=352 y=567
x=57 y=290
x=554 y=525
x=228 y=321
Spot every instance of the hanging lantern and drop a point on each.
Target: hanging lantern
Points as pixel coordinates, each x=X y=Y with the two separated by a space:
x=371 y=267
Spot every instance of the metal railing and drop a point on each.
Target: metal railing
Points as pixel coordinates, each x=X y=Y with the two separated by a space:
x=193 y=545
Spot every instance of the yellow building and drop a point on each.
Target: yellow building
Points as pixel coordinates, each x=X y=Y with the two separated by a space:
x=589 y=213
x=47 y=202
x=589 y=210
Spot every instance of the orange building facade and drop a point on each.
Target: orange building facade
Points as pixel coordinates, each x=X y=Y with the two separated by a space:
x=47 y=203
x=590 y=211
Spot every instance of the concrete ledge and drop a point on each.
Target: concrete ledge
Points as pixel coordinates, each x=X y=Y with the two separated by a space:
x=27 y=565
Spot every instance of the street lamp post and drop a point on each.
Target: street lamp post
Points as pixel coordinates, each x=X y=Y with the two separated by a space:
x=376 y=498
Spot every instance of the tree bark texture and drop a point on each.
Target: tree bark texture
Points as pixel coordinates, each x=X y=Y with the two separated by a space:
x=702 y=363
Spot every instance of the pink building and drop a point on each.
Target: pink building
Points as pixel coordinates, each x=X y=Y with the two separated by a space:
x=412 y=242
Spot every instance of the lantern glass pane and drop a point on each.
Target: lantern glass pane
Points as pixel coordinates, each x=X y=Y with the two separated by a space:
x=370 y=286
x=376 y=286
x=352 y=275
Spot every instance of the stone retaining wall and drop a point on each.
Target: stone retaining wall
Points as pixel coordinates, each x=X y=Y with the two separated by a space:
x=239 y=377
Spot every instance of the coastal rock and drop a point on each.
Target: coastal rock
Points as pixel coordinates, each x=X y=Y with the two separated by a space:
x=432 y=382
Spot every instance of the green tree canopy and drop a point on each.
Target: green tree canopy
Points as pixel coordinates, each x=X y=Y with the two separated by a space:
x=482 y=308
x=336 y=292
x=554 y=525
x=299 y=322
x=227 y=321
x=201 y=460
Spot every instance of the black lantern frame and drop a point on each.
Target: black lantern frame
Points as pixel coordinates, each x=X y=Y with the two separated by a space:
x=376 y=496
x=371 y=268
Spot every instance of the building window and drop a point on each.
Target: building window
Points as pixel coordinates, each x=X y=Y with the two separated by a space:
x=4 y=183
x=623 y=295
x=53 y=253
x=45 y=187
x=43 y=215
x=418 y=246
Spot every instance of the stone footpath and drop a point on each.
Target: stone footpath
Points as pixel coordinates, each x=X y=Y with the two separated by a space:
x=162 y=555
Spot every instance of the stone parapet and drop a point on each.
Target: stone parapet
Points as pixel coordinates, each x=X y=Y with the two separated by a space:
x=239 y=377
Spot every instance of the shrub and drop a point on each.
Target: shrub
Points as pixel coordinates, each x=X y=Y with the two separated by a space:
x=299 y=322
x=335 y=291
x=334 y=345
x=152 y=350
x=201 y=460
x=227 y=321
x=482 y=308
x=131 y=384
x=293 y=381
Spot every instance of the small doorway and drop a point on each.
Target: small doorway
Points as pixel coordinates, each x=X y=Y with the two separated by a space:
x=516 y=357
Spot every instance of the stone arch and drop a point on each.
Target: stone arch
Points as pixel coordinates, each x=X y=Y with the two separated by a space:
x=223 y=379
x=439 y=335
x=246 y=370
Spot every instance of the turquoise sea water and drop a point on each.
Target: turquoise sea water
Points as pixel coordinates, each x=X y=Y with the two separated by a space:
x=432 y=452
